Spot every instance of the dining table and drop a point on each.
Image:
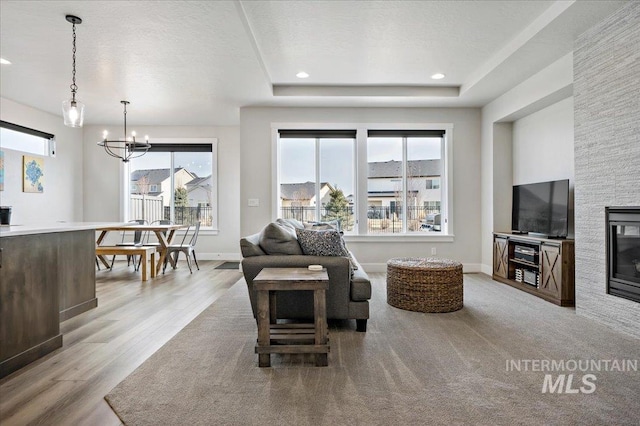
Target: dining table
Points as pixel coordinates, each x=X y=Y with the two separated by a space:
x=164 y=233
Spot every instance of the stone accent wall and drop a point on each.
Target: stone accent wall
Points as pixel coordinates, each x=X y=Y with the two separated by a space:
x=607 y=155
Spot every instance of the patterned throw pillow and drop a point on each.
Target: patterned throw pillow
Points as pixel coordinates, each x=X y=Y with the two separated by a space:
x=321 y=243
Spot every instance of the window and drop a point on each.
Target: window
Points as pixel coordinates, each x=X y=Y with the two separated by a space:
x=175 y=181
x=433 y=184
x=316 y=176
x=375 y=182
x=24 y=139
x=432 y=206
x=403 y=181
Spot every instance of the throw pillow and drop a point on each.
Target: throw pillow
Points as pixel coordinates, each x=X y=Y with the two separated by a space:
x=250 y=246
x=279 y=239
x=333 y=224
x=321 y=243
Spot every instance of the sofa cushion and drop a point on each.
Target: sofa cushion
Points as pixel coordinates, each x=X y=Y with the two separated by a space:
x=291 y=223
x=321 y=243
x=319 y=226
x=250 y=246
x=360 y=286
x=276 y=238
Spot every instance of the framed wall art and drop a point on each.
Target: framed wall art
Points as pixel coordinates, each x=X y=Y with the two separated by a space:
x=33 y=174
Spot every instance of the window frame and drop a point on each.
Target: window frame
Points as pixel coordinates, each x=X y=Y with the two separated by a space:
x=125 y=174
x=47 y=141
x=317 y=138
x=360 y=205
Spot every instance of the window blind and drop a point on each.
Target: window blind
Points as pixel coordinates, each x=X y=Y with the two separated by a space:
x=181 y=147
x=26 y=130
x=406 y=133
x=313 y=134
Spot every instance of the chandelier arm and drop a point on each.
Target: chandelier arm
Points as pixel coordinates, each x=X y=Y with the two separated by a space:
x=111 y=153
x=141 y=153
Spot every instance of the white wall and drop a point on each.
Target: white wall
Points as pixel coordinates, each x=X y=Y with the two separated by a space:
x=549 y=86
x=63 y=183
x=543 y=145
x=103 y=182
x=257 y=167
x=543 y=148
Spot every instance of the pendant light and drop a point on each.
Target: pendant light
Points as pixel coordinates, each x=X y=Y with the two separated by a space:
x=72 y=110
x=127 y=148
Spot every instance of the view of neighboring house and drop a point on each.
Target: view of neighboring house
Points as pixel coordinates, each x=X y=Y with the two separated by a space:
x=385 y=184
x=303 y=194
x=151 y=193
x=199 y=191
x=384 y=198
x=159 y=182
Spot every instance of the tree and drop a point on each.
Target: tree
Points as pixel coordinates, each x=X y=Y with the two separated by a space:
x=337 y=208
x=180 y=202
x=143 y=185
x=180 y=197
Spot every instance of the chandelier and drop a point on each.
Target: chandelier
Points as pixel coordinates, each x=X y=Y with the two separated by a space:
x=127 y=148
x=72 y=110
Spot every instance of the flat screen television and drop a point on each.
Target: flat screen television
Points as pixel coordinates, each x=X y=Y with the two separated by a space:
x=541 y=208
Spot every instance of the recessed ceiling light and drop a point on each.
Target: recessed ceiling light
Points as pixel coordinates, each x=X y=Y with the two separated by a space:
x=437 y=76
x=302 y=74
x=3 y=61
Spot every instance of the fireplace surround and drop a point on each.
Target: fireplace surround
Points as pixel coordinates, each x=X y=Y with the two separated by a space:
x=623 y=252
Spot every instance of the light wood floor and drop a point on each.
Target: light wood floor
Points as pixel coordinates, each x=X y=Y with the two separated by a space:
x=103 y=346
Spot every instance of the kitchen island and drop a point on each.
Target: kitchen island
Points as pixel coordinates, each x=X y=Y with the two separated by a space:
x=47 y=275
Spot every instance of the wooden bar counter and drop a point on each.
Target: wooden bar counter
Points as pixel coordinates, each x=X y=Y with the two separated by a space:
x=47 y=275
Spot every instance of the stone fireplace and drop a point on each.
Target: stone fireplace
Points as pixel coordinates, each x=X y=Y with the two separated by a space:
x=623 y=252
x=607 y=158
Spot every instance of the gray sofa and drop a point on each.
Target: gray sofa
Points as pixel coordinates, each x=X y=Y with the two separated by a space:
x=276 y=246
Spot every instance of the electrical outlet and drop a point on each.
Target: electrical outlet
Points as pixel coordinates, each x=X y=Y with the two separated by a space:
x=254 y=202
x=434 y=250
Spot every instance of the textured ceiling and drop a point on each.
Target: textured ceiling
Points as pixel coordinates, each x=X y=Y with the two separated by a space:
x=198 y=62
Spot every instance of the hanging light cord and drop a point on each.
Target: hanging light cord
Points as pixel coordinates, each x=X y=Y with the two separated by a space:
x=73 y=86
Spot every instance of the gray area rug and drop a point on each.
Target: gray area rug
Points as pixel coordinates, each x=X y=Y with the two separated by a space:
x=408 y=368
x=228 y=265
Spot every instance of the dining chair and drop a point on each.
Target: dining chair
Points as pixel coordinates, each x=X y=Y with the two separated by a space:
x=136 y=241
x=188 y=248
x=147 y=239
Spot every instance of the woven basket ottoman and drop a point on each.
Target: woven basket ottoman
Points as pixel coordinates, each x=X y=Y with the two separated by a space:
x=424 y=285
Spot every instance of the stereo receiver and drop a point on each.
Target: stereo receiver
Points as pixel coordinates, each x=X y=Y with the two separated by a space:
x=526 y=253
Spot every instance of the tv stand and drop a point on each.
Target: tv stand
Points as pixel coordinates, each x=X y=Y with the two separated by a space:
x=544 y=267
x=537 y=235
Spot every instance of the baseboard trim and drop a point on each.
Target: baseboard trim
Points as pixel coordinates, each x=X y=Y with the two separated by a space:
x=236 y=257
x=78 y=309
x=22 y=359
x=486 y=269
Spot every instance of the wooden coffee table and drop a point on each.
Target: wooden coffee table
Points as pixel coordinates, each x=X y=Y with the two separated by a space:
x=291 y=338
